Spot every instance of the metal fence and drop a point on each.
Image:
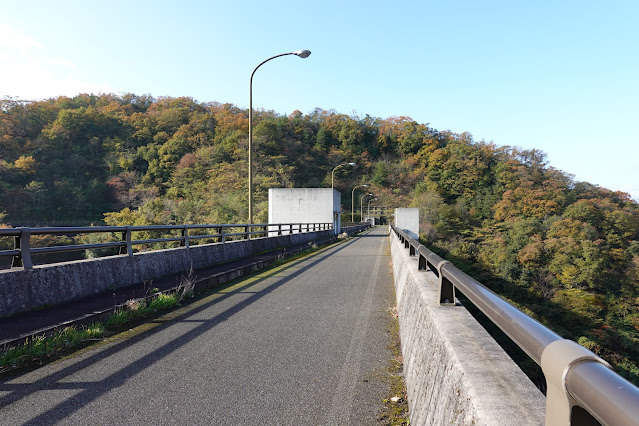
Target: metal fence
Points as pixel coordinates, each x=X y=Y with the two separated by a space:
x=582 y=389
x=22 y=252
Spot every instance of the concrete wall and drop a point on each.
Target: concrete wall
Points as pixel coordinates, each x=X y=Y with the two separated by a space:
x=455 y=372
x=305 y=205
x=408 y=220
x=22 y=290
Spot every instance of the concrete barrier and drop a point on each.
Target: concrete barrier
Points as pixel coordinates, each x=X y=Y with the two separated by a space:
x=22 y=290
x=455 y=372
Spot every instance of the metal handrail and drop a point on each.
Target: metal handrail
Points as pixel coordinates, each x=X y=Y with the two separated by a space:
x=585 y=380
x=22 y=251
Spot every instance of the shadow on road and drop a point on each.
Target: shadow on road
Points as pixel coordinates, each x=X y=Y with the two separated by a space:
x=90 y=391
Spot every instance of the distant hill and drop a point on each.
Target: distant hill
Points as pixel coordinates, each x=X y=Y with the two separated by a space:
x=566 y=252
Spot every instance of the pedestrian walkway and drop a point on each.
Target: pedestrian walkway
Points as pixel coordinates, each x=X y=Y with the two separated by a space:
x=304 y=343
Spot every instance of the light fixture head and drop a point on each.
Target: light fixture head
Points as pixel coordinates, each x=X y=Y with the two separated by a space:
x=302 y=53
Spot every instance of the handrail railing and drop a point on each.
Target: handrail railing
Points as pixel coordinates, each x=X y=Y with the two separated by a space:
x=23 y=251
x=581 y=387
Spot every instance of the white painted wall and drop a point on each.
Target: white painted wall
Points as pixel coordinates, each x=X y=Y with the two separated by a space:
x=305 y=205
x=408 y=220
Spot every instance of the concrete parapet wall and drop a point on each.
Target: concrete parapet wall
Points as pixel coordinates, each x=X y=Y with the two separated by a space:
x=456 y=374
x=22 y=290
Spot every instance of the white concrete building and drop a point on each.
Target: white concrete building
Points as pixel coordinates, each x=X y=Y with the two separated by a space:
x=407 y=219
x=305 y=205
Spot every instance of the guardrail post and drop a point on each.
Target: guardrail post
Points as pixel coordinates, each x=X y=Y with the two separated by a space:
x=222 y=237
x=22 y=242
x=126 y=237
x=185 y=237
x=412 y=250
x=247 y=235
x=556 y=361
x=423 y=264
x=279 y=229
x=446 y=288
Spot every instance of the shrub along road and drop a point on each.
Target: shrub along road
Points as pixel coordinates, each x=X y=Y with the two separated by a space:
x=304 y=343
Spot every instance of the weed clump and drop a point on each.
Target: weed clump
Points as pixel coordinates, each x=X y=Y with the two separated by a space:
x=38 y=350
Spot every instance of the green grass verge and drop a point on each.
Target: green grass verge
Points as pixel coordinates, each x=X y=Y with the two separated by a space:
x=41 y=349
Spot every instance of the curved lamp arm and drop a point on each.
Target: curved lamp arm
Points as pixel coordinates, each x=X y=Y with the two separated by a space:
x=301 y=54
x=337 y=167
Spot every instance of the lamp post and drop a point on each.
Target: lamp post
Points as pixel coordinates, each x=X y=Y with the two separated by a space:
x=361 y=204
x=369 y=207
x=301 y=54
x=353 y=202
x=337 y=167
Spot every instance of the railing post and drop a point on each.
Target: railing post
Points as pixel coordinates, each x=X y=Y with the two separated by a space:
x=222 y=237
x=279 y=229
x=185 y=237
x=556 y=361
x=247 y=235
x=22 y=242
x=290 y=231
x=446 y=288
x=423 y=265
x=126 y=237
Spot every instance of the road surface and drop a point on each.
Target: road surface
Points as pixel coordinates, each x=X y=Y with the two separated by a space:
x=305 y=343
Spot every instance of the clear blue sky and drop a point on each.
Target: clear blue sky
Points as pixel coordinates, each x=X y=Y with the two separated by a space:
x=560 y=76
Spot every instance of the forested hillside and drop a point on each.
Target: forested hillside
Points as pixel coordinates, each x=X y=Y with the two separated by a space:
x=566 y=252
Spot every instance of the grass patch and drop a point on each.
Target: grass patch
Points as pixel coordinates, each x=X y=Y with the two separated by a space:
x=41 y=349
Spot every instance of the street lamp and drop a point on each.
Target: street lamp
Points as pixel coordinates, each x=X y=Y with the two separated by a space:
x=361 y=203
x=369 y=206
x=336 y=167
x=353 y=202
x=301 y=54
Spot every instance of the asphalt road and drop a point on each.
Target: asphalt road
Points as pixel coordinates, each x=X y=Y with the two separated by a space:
x=302 y=344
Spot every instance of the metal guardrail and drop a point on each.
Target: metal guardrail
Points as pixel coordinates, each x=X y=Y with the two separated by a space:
x=23 y=251
x=582 y=389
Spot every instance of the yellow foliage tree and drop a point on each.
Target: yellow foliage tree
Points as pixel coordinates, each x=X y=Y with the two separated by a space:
x=26 y=164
